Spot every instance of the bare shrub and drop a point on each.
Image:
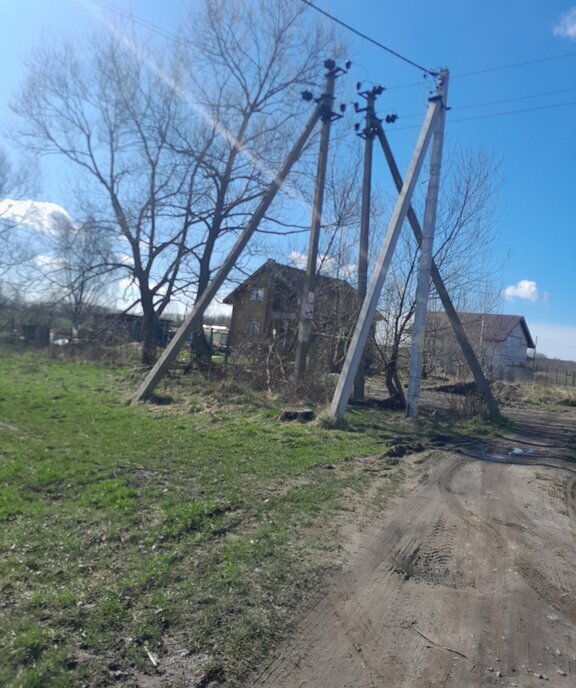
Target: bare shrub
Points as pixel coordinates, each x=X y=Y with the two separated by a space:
x=467 y=405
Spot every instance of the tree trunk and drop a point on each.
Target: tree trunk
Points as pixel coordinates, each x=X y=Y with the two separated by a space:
x=199 y=346
x=392 y=379
x=394 y=387
x=149 y=344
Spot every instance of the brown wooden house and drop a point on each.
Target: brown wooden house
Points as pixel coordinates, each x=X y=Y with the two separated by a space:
x=266 y=310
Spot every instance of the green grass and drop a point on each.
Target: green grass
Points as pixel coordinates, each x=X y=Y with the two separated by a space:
x=196 y=525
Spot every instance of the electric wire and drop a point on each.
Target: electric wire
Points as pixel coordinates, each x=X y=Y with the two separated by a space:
x=168 y=34
x=494 y=114
x=369 y=39
x=514 y=112
x=496 y=102
x=144 y=23
x=517 y=64
x=489 y=70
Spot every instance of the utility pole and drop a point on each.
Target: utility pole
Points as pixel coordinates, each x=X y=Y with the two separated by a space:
x=355 y=351
x=307 y=299
x=194 y=318
x=368 y=134
x=459 y=332
x=426 y=252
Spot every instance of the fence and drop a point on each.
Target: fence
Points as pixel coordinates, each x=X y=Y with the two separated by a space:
x=552 y=375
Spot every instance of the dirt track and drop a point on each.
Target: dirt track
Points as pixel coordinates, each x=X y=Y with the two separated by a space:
x=468 y=579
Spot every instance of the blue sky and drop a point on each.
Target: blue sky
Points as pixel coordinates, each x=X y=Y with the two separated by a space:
x=536 y=218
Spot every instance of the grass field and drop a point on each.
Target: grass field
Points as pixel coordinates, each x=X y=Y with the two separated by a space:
x=184 y=533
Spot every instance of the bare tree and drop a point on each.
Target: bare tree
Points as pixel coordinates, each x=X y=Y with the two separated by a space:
x=464 y=239
x=176 y=146
x=75 y=272
x=14 y=249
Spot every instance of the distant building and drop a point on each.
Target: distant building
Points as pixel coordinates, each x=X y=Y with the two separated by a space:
x=501 y=343
x=129 y=327
x=266 y=309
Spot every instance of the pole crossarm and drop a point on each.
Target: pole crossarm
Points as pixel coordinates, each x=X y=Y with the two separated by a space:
x=355 y=352
x=193 y=321
x=459 y=332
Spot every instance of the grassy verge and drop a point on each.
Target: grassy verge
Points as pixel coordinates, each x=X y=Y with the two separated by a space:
x=535 y=394
x=183 y=533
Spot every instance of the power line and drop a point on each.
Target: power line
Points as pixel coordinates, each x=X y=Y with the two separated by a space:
x=496 y=114
x=517 y=64
x=497 y=102
x=174 y=37
x=512 y=100
x=370 y=40
x=144 y=23
x=490 y=69
x=515 y=112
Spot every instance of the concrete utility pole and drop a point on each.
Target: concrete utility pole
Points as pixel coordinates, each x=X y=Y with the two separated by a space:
x=307 y=299
x=426 y=252
x=351 y=364
x=368 y=134
x=459 y=332
x=192 y=322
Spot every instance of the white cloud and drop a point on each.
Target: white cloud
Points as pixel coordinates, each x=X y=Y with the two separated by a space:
x=330 y=265
x=38 y=215
x=128 y=293
x=566 y=27
x=297 y=259
x=524 y=289
x=43 y=261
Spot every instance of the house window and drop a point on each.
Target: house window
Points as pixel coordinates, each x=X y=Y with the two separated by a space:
x=257 y=294
x=253 y=328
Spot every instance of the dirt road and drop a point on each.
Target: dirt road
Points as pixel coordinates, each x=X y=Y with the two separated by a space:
x=468 y=579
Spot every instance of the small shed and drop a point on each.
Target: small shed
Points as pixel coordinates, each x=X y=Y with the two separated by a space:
x=130 y=327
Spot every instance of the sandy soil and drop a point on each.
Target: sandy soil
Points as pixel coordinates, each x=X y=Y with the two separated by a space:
x=468 y=579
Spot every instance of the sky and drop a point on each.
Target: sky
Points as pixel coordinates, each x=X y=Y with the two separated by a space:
x=525 y=114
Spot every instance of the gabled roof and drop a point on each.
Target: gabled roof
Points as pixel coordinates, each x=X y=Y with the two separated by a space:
x=292 y=278
x=490 y=327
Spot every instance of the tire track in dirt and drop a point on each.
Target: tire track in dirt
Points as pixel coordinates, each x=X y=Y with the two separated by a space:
x=571 y=501
x=557 y=598
x=446 y=588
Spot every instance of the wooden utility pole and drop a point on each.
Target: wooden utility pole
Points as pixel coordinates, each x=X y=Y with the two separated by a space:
x=426 y=252
x=307 y=299
x=368 y=134
x=352 y=362
x=459 y=332
x=193 y=321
